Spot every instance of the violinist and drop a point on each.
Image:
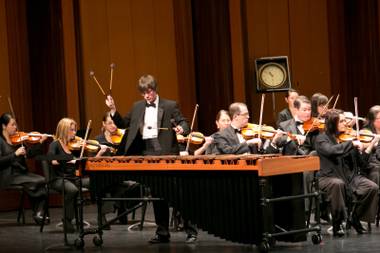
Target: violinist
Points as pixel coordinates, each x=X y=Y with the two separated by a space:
x=318 y=103
x=302 y=145
x=145 y=123
x=14 y=170
x=105 y=138
x=372 y=125
x=66 y=131
x=340 y=178
x=222 y=121
x=289 y=112
x=231 y=141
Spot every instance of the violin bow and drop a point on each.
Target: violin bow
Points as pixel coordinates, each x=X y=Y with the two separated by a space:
x=112 y=66
x=336 y=100
x=356 y=117
x=191 y=127
x=14 y=116
x=92 y=75
x=85 y=139
x=261 y=114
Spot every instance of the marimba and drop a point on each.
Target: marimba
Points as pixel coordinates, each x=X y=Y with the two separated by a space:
x=229 y=196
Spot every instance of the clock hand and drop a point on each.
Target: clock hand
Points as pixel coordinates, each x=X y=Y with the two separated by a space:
x=270 y=73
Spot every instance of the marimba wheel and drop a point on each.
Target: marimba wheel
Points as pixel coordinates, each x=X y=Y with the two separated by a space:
x=97 y=241
x=316 y=238
x=79 y=243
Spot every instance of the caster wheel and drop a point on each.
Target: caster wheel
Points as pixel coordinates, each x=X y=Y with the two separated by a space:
x=264 y=247
x=79 y=243
x=97 y=241
x=316 y=238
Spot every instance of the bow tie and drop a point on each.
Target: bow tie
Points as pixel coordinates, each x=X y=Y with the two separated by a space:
x=237 y=130
x=152 y=105
x=299 y=123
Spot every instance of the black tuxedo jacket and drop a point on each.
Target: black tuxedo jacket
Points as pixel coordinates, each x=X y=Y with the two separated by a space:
x=167 y=113
x=227 y=142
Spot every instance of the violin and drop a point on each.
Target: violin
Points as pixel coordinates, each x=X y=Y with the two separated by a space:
x=365 y=136
x=31 y=138
x=196 y=138
x=117 y=136
x=314 y=124
x=266 y=132
x=91 y=146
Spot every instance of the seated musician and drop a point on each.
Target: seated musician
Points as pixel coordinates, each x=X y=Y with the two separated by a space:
x=124 y=189
x=152 y=126
x=373 y=126
x=14 y=170
x=302 y=142
x=287 y=113
x=222 y=121
x=66 y=130
x=318 y=102
x=340 y=178
x=231 y=141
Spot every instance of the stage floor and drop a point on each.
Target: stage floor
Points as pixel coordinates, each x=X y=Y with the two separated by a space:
x=121 y=238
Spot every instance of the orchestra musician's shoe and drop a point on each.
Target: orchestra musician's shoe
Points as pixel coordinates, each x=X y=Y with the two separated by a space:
x=191 y=239
x=355 y=223
x=337 y=229
x=38 y=218
x=159 y=239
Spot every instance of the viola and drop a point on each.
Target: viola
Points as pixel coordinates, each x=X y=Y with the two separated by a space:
x=31 y=138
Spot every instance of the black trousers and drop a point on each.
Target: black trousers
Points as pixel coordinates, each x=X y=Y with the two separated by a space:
x=161 y=207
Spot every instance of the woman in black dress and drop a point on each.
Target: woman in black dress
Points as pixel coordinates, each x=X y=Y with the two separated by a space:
x=340 y=177
x=13 y=167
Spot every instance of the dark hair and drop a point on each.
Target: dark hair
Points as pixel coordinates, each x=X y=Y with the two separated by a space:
x=290 y=90
x=371 y=117
x=332 y=121
x=219 y=114
x=299 y=100
x=317 y=99
x=147 y=82
x=4 y=120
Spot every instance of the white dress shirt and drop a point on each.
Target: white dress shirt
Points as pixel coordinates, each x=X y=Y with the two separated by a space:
x=150 y=128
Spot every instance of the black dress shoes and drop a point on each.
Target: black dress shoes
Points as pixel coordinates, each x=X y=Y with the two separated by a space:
x=159 y=239
x=191 y=239
x=355 y=223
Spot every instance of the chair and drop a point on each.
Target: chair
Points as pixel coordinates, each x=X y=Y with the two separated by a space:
x=46 y=169
x=20 y=210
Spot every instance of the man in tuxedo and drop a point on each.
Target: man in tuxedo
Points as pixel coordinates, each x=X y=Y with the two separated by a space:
x=150 y=126
x=231 y=140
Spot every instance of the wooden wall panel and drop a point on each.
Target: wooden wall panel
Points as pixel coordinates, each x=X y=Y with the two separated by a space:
x=19 y=72
x=4 y=65
x=293 y=28
x=309 y=46
x=138 y=36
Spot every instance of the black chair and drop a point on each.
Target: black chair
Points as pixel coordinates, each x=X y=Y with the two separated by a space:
x=21 y=209
x=47 y=172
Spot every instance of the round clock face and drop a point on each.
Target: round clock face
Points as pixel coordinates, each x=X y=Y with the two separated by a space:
x=272 y=75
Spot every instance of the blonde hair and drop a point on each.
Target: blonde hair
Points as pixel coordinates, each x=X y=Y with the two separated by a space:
x=63 y=129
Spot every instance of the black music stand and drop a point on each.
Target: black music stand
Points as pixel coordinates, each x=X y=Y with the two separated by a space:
x=66 y=245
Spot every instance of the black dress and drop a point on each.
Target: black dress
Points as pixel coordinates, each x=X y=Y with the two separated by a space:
x=14 y=171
